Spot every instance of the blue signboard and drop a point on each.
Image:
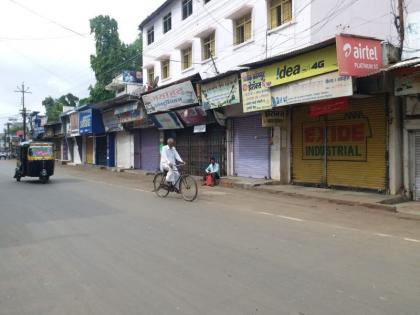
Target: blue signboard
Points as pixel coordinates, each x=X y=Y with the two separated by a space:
x=85 y=122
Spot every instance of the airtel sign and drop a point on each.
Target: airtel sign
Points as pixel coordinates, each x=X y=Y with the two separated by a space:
x=358 y=56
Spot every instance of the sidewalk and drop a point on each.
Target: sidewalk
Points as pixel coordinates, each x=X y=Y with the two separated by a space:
x=352 y=198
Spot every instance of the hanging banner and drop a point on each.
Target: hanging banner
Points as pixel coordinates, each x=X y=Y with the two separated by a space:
x=167 y=121
x=304 y=66
x=274 y=118
x=326 y=86
x=256 y=94
x=173 y=96
x=221 y=93
x=328 y=107
x=358 y=56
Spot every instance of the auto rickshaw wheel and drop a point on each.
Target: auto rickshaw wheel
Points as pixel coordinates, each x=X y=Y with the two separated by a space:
x=44 y=179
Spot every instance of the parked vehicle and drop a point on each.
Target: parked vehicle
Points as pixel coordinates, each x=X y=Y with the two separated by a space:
x=35 y=159
x=4 y=155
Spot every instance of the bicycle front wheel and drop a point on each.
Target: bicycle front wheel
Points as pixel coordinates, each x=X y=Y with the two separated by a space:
x=159 y=186
x=188 y=188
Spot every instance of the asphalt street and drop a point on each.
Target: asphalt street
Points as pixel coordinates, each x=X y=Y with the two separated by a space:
x=97 y=242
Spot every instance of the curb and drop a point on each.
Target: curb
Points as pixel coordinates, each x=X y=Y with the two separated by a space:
x=370 y=205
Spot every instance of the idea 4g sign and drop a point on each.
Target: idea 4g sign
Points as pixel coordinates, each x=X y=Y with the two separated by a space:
x=358 y=56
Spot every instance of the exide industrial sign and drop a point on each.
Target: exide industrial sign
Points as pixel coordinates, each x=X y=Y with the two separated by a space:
x=358 y=56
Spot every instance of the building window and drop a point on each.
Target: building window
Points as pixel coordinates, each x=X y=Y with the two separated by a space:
x=209 y=46
x=167 y=22
x=150 y=75
x=280 y=12
x=187 y=8
x=165 y=69
x=150 y=35
x=243 y=29
x=186 y=57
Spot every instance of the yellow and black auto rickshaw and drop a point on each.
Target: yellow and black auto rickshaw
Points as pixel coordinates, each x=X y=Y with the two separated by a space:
x=35 y=159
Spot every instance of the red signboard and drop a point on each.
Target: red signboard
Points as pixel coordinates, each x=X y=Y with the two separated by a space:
x=328 y=107
x=358 y=56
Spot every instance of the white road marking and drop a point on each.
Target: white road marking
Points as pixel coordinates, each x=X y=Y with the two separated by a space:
x=383 y=235
x=290 y=218
x=411 y=240
x=265 y=213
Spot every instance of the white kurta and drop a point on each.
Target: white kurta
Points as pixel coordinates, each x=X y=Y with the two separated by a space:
x=168 y=158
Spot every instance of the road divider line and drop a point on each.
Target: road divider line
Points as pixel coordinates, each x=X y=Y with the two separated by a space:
x=290 y=218
x=411 y=240
x=383 y=235
x=265 y=213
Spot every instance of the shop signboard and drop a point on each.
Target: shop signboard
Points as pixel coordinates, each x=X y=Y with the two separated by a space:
x=326 y=86
x=221 y=93
x=74 y=124
x=192 y=116
x=129 y=112
x=274 y=118
x=111 y=122
x=358 y=56
x=85 y=122
x=328 y=107
x=166 y=121
x=174 y=96
x=256 y=94
x=304 y=66
x=347 y=139
x=407 y=84
x=200 y=128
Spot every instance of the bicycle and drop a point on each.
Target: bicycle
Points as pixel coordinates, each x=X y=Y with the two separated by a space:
x=187 y=186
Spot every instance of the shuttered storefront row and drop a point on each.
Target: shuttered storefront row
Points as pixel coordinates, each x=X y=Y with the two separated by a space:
x=356 y=146
x=251 y=148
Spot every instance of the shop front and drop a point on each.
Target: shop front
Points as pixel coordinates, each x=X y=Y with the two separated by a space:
x=90 y=126
x=407 y=86
x=75 y=141
x=112 y=126
x=345 y=148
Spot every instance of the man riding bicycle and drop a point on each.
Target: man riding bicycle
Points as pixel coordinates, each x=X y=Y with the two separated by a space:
x=168 y=158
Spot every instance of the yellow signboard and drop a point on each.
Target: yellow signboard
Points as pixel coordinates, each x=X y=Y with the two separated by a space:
x=311 y=64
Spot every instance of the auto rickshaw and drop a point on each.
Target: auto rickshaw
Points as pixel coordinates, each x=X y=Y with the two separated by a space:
x=35 y=159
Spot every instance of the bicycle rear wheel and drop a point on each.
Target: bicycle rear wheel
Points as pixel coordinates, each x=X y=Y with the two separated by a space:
x=188 y=188
x=160 y=188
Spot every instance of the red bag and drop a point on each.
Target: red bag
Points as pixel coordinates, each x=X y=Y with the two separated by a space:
x=209 y=180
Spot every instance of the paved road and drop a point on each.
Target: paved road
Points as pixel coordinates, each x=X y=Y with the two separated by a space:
x=95 y=242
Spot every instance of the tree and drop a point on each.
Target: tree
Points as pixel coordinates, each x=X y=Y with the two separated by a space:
x=112 y=56
x=54 y=107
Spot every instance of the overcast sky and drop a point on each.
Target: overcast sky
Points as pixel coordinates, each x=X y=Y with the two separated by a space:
x=48 y=58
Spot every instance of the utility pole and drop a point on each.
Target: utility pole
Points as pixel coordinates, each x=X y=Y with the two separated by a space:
x=399 y=24
x=8 y=136
x=23 y=91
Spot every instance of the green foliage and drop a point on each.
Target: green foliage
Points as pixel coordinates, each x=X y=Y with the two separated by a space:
x=54 y=107
x=111 y=58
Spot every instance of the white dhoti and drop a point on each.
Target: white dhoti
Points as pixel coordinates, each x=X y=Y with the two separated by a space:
x=172 y=175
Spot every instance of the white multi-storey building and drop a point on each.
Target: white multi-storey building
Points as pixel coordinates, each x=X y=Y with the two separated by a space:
x=184 y=37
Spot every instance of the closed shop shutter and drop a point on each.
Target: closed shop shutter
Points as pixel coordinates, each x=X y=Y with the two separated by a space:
x=65 y=149
x=89 y=150
x=417 y=166
x=149 y=149
x=356 y=146
x=251 y=148
x=101 y=144
x=124 y=150
x=137 y=144
x=196 y=149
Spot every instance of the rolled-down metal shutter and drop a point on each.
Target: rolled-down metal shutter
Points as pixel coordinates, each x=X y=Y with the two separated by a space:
x=251 y=149
x=149 y=149
x=417 y=165
x=89 y=150
x=101 y=147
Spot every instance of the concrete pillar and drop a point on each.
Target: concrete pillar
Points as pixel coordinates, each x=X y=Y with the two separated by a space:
x=395 y=146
